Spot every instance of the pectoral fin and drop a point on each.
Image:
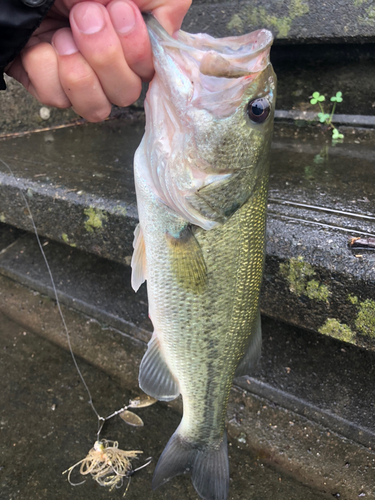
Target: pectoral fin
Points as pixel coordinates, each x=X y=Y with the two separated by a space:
x=138 y=259
x=252 y=354
x=188 y=262
x=155 y=378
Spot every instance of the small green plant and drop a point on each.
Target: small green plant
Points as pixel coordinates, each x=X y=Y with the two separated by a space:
x=324 y=117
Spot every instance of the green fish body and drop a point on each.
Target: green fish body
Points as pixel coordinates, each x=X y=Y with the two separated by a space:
x=201 y=175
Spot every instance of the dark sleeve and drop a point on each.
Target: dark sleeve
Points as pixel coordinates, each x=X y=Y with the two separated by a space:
x=18 y=20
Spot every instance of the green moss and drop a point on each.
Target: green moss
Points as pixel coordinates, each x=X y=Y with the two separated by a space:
x=260 y=17
x=353 y=299
x=236 y=23
x=365 y=322
x=337 y=330
x=298 y=8
x=2 y=218
x=120 y=210
x=65 y=239
x=297 y=273
x=316 y=291
x=369 y=18
x=95 y=219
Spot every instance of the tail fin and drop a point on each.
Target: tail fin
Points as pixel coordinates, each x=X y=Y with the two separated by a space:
x=209 y=467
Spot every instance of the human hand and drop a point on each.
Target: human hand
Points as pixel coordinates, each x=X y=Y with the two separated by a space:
x=92 y=54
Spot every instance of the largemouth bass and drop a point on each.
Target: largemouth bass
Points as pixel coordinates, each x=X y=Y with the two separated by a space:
x=201 y=174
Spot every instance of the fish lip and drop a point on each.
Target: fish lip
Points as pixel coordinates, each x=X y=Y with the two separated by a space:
x=236 y=52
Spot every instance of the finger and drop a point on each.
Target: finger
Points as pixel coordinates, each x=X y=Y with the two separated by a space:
x=62 y=8
x=132 y=32
x=79 y=80
x=41 y=77
x=169 y=13
x=100 y=46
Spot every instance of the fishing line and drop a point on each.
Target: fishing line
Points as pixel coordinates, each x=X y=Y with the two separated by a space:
x=55 y=294
x=106 y=463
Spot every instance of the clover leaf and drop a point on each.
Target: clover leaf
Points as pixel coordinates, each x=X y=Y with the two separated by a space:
x=337 y=97
x=323 y=117
x=336 y=134
x=316 y=97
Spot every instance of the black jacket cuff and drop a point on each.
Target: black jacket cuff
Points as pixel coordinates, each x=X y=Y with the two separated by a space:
x=18 y=20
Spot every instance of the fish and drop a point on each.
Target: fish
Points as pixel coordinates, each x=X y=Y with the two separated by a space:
x=201 y=176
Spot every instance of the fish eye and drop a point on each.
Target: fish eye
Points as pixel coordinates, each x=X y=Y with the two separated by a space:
x=258 y=110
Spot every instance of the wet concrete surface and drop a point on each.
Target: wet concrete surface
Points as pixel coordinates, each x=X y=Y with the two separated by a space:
x=79 y=184
x=340 y=377
x=46 y=426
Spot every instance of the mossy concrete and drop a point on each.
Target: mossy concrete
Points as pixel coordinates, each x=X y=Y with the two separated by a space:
x=95 y=219
x=290 y=20
x=259 y=16
x=338 y=331
x=297 y=272
x=365 y=321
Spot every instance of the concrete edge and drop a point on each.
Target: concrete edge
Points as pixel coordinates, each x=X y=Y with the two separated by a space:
x=310 y=116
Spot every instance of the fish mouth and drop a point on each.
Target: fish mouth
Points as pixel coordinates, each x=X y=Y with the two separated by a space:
x=229 y=57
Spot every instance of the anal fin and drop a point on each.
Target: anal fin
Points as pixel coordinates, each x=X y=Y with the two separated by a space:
x=155 y=378
x=252 y=355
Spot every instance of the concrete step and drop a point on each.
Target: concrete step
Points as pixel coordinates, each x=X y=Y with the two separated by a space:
x=307 y=412
x=79 y=184
x=292 y=21
x=340 y=377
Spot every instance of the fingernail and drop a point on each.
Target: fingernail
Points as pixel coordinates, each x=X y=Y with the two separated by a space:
x=122 y=16
x=64 y=43
x=88 y=18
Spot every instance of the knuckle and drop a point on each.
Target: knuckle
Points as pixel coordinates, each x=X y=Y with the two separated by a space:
x=105 y=58
x=78 y=78
x=40 y=55
x=127 y=98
